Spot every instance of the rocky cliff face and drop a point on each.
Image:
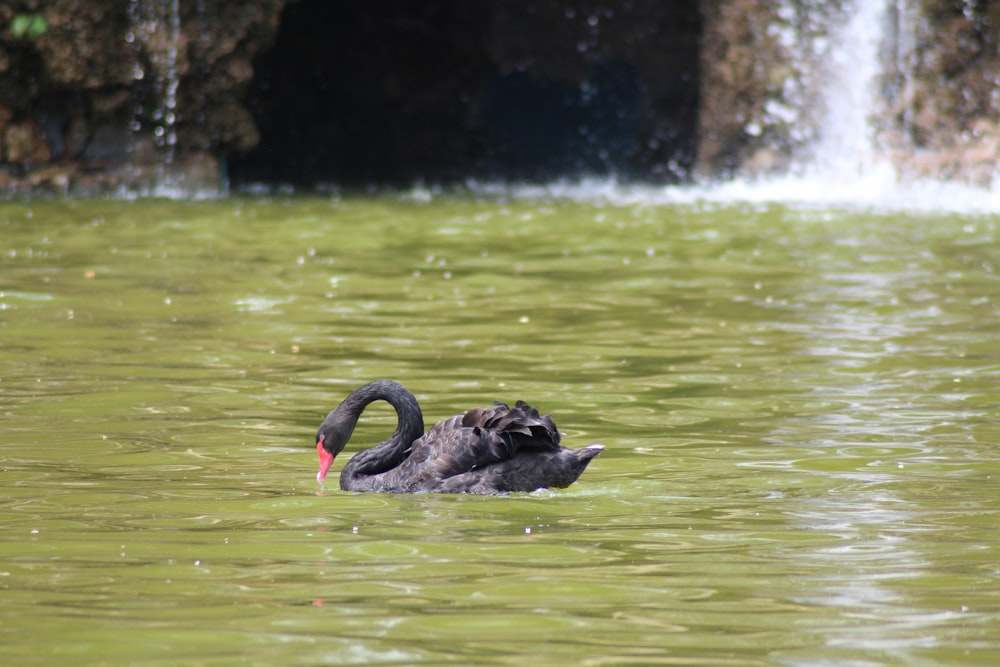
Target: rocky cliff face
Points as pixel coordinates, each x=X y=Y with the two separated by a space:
x=100 y=95
x=941 y=104
x=97 y=96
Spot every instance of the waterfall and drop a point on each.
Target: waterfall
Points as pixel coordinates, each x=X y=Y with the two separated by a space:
x=166 y=116
x=155 y=35
x=829 y=104
x=845 y=146
x=845 y=112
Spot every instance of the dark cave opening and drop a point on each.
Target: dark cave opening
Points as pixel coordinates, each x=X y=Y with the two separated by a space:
x=396 y=92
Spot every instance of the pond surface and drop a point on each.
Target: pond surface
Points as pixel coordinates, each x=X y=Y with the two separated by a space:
x=801 y=410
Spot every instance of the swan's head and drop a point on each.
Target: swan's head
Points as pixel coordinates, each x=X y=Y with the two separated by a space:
x=331 y=438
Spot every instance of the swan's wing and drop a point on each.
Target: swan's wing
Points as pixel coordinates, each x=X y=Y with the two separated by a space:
x=483 y=437
x=522 y=425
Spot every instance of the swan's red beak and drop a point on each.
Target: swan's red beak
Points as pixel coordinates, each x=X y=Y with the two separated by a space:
x=325 y=461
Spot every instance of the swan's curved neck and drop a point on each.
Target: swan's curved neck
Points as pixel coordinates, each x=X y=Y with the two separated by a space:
x=391 y=452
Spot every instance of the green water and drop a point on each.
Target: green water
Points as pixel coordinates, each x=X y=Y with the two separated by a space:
x=801 y=410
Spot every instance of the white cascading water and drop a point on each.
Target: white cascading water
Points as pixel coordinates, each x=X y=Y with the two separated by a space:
x=845 y=150
x=169 y=80
x=155 y=32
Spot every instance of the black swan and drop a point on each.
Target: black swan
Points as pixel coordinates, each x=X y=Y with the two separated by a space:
x=490 y=450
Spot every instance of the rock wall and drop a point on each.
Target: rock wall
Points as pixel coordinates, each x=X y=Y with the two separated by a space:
x=101 y=96
x=941 y=103
x=743 y=66
x=97 y=96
